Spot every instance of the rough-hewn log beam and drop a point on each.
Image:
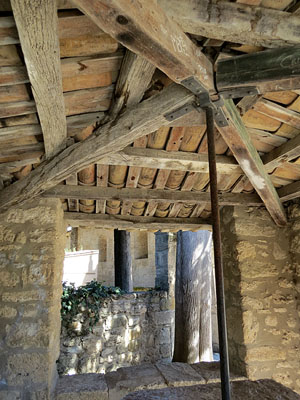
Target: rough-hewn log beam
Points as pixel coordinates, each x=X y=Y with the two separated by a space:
x=143 y=27
x=233 y=22
x=286 y=152
x=96 y=193
x=237 y=138
x=131 y=222
x=289 y=192
x=147 y=117
x=37 y=28
x=268 y=71
x=161 y=159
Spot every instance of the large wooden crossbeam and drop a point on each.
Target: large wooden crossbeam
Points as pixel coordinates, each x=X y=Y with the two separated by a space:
x=143 y=27
x=236 y=136
x=130 y=222
x=161 y=159
x=147 y=117
x=234 y=22
x=95 y=193
x=38 y=32
x=267 y=71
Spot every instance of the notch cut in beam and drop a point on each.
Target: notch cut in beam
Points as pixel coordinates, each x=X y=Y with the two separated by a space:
x=143 y=27
x=38 y=31
x=131 y=194
x=161 y=159
x=131 y=222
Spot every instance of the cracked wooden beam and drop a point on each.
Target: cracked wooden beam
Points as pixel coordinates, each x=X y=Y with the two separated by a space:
x=37 y=26
x=234 y=22
x=144 y=28
x=134 y=123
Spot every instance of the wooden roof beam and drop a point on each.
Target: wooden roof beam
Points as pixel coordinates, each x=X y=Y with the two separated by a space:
x=234 y=22
x=266 y=71
x=134 y=123
x=237 y=138
x=143 y=27
x=289 y=192
x=161 y=159
x=130 y=222
x=286 y=152
x=38 y=32
x=131 y=194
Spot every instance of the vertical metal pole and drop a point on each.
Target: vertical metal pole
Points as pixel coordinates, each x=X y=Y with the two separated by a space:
x=224 y=361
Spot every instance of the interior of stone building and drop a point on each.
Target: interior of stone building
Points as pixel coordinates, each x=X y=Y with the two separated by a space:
x=149 y=199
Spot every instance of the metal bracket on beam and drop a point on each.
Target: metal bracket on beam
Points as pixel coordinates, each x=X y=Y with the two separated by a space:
x=239 y=92
x=193 y=85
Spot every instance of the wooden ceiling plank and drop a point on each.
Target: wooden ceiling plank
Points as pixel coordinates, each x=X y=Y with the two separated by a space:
x=133 y=222
x=237 y=23
x=144 y=28
x=236 y=136
x=161 y=159
x=134 y=123
x=278 y=112
x=268 y=71
x=37 y=28
x=289 y=192
x=133 y=194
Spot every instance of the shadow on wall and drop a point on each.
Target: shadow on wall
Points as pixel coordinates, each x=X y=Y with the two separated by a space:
x=80 y=267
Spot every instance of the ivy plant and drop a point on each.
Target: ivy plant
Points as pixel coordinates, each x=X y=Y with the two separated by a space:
x=84 y=302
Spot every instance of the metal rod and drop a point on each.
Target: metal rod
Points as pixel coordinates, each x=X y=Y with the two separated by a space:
x=224 y=360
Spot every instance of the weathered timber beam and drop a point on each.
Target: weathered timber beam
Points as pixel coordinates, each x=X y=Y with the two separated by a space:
x=233 y=22
x=161 y=159
x=289 y=192
x=286 y=152
x=278 y=112
x=131 y=222
x=143 y=27
x=134 y=78
x=37 y=28
x=268 y=71
x=130 y=194
x=136 y=122
x=236 y=136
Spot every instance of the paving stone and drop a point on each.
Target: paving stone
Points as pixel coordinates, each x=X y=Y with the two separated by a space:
x=179 y=374
x=132 y=379
x=82 y=387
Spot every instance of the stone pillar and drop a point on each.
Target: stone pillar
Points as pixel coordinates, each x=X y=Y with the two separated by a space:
x=123 y=264
x=263 y=324
x=32 y=240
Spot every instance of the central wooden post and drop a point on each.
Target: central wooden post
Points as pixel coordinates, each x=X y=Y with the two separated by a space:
x=123 y=264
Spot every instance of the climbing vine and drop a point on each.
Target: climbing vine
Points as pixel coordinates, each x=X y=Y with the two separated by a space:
x=82 y=304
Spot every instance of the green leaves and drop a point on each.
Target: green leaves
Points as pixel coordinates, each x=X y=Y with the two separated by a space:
x=84 y=303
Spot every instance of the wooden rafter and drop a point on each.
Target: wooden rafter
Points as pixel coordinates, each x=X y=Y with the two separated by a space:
x=267 y=71
x=144 y=28
x=237 y=138
x=93 y=192
x=234 y=22
x=278 y=112
x=37 y=28
x=147 y=117
x=286 y=152
x=131 y=222
x=289 y=192
x=161 y=159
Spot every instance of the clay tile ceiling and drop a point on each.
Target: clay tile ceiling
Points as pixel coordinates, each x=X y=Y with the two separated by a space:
x=60 y=82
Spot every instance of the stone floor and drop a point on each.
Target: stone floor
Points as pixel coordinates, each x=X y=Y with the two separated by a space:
x=161 y=381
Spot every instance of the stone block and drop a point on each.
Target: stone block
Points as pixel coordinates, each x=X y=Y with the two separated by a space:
x=179 y=374
x=163 y=317
x=23 y=296
x=10 y=395
x=28 y=368
x=7 y=312
x=28 y=334
x=132 y=379
x=82 y=387
x=265 y=353
x=9 y=279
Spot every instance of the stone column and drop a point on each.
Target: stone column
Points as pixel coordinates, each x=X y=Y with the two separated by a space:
x=32 y=240
x=123 y=263
x=263 y=324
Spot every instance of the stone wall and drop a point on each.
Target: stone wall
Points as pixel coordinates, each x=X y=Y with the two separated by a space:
x=31 y=259
x=133 y=329
x=261 y=295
